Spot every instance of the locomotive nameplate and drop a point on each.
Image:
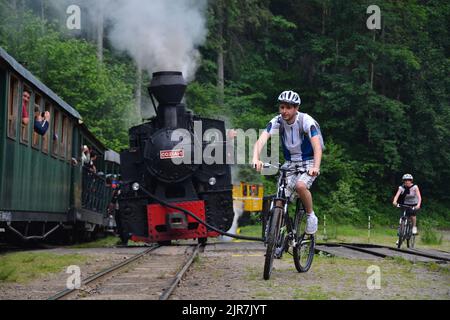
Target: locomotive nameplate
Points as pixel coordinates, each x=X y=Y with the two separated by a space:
x=171 y=154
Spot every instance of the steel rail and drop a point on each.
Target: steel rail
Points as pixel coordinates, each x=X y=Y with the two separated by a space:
x=365 y=248
x=168 y=292
x=68 y=292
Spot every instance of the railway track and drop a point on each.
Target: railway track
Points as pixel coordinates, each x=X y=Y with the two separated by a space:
x=372 y=251
x=348 y=250
x=150 y=275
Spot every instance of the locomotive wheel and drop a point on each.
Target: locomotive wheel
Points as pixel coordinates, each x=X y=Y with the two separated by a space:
x=165 y=243
x=202 y=241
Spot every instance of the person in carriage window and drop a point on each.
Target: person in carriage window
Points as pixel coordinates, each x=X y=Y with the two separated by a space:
x=25 y=104
x=41 y=121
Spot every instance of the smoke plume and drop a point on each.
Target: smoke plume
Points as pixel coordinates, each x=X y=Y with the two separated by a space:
x=160 y=35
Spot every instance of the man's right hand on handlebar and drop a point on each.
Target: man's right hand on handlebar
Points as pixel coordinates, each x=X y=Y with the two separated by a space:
x=257 y=164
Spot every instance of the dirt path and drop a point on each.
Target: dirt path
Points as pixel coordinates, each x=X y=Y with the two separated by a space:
x=234 y=271
x=237 y=274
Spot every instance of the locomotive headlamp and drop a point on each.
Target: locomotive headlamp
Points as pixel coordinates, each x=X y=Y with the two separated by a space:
x=212 y=181
x=135 y=186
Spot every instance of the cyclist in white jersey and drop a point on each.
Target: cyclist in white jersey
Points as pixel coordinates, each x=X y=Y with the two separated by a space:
x=302 y=143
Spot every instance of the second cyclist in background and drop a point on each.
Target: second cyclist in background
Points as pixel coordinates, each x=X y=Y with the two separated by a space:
x=409 y=194
x=302 y=143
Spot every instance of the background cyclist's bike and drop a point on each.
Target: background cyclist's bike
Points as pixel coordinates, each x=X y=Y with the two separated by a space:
x=284 y=233
x=405 y=228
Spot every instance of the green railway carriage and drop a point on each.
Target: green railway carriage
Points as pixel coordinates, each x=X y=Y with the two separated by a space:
x=44 y=189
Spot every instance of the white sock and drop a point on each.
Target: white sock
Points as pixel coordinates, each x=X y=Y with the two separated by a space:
x=312 y=213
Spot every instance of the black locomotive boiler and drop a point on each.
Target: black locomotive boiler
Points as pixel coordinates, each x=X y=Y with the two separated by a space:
x=176 y=158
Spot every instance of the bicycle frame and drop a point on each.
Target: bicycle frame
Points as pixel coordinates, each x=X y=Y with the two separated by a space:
x=405 y=229
x=282 y=202
x=279 y=231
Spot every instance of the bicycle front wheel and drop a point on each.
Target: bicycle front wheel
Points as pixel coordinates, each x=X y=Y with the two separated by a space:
x=305 y=244
x=272 y=238
x=410 y=236
x=401 y=233
x=411 y=242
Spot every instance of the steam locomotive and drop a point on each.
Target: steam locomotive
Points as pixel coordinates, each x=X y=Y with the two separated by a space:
x=176 y=158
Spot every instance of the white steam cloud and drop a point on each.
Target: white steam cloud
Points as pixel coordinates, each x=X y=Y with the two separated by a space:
x=160 y=35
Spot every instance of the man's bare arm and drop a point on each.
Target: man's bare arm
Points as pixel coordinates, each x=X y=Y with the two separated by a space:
x=394 y=202
x=317 y=147
x=259 y=145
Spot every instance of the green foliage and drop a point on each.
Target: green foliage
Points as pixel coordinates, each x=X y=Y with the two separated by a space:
x=201 y=98
x=428 y=233
x=344 y=203
x=99 y=91
x=25 y=266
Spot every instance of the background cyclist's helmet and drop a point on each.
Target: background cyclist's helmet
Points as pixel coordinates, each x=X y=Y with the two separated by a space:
x=290 y=97
x=407 y=177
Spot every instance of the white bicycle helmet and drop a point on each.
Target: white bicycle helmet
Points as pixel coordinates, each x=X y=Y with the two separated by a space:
x=407 y=177
x=290 y=97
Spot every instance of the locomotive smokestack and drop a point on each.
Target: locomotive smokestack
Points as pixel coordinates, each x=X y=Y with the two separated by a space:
x=168 y=88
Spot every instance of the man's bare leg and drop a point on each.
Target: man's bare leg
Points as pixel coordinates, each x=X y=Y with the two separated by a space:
x=305 y=196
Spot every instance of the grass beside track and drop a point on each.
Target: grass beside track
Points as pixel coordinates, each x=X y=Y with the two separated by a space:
x=23 y=267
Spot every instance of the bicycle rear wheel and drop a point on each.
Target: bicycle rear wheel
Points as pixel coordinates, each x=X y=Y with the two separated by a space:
x=272 y=238
x=305 y=246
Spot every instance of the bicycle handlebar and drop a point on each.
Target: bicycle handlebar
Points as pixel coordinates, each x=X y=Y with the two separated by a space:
x=405 y=206
x=269 y=165
x=297 y=168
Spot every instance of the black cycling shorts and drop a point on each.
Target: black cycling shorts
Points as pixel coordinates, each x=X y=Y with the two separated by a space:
x=409 y=211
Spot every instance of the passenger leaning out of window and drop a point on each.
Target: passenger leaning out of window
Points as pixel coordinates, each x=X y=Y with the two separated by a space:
x=41 y=121
x=25 y=104
x=92 y=167
x=85 y=156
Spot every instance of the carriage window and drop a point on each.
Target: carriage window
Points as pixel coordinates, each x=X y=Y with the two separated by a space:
x=63 y=138
x=13 y=107
x=36 y=110
x=25 y=114
x=254 y=191
x=45 y=137
x=56 y=133
x=69 y=141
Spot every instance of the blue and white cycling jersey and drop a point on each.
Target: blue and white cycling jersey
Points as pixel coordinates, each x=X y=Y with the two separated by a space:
x=296 y=142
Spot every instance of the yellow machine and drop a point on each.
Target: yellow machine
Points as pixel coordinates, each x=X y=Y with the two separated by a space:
x=251 y=194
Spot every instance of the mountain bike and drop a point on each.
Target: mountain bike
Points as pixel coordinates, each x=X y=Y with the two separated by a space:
x=282 y=232
x=405 y=228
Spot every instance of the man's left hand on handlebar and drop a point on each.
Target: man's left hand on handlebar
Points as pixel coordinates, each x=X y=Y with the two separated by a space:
x=314 y=172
